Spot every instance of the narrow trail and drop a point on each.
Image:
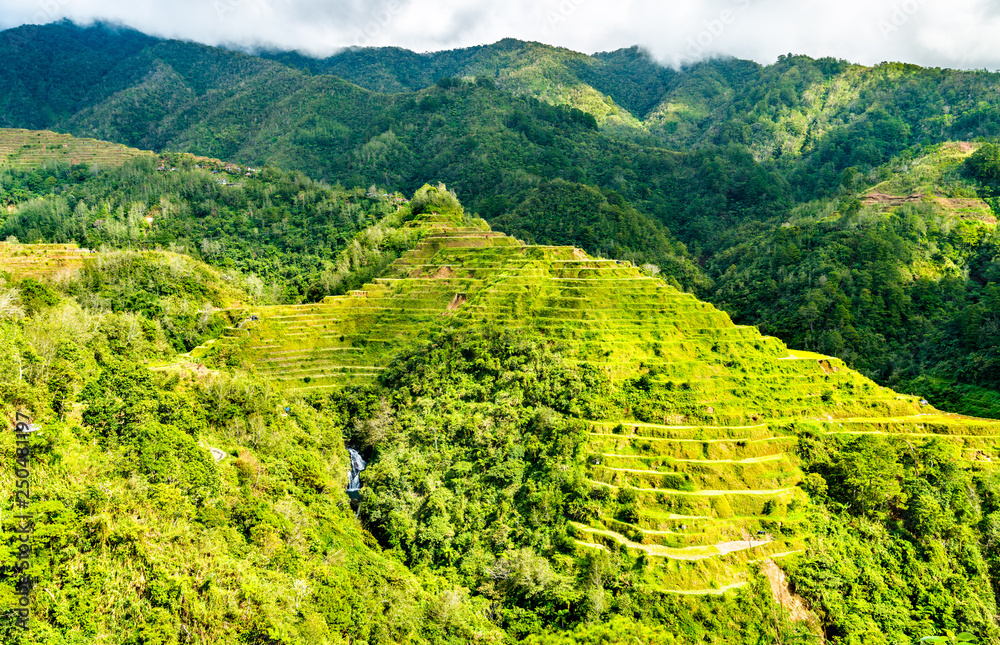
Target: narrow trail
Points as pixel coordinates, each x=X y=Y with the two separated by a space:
x=706 y=592
x=913 y=434
x=686 y=440
x=690 y=553
x=698 y=493
x=642 y=424
x=748 y=460
x=592 y=545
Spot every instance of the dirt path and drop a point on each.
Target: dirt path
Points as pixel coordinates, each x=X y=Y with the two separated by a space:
x=642 y=424
x=740 y=545
x=891 y=200
x=748 y=460
x=697 y=493
x=914 y=434
x=705 y=592
x=677 y=553
x=729 y=440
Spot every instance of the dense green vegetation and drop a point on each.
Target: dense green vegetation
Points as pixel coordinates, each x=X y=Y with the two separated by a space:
x=492 y=508
x=281 y=230
x=141 y=536
x=457 y=445
x=539 y=173
x=907 y=293
x=758 y=214
x=262 y=546
x=567 y=213
x=440 y=476
x=480 y=445
x=901 y=529
x=902 y=294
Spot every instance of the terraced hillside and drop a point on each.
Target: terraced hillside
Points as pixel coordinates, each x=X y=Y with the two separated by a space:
x=33 y=148
x=692 y=463
x=40 y=260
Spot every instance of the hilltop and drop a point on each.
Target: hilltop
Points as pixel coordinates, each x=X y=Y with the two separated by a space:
x=560 y=447
x=688 y=425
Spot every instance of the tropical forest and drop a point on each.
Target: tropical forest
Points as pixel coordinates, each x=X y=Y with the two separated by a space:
x=500 y=344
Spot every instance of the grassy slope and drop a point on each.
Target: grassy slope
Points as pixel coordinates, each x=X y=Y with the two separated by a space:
x=681 y=371
x=686 y=448
x=30 y=149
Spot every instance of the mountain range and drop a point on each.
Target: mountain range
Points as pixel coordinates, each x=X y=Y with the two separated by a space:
x=627 y=353
x=612 y=152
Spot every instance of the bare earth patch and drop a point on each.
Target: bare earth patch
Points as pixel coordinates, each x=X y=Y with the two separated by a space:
x=795 y=605
x=891 y=200
x=457 y=301
x=740 y=545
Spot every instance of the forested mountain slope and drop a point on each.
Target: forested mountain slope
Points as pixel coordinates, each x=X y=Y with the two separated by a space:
x=623 y=462
x=836 y=114
x=899 y=279
x=561 y=449
x=695 y=163
x=173 y=504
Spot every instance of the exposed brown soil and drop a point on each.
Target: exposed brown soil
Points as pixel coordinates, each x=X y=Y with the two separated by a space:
x=443 y=272
x=457 y=301
x=795 y=605
x=829 y=369
x=579 y=254
x=960 y=202
x=891 y=200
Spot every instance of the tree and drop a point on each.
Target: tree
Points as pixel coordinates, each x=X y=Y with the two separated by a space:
x=867 y=474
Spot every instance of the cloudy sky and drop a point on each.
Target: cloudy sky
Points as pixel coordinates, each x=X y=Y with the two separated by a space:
x=947 y=33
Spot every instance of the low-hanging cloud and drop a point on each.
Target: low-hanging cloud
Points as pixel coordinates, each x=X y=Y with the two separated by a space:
x=946 y=33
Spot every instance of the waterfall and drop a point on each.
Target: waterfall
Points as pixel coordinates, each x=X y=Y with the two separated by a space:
x=357 y=465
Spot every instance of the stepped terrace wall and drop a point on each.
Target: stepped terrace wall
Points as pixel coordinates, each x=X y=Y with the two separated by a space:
x=40 y=260
x=34 y=148
x=692 y=464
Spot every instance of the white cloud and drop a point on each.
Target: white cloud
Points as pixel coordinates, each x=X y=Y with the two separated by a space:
x=948 y=33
